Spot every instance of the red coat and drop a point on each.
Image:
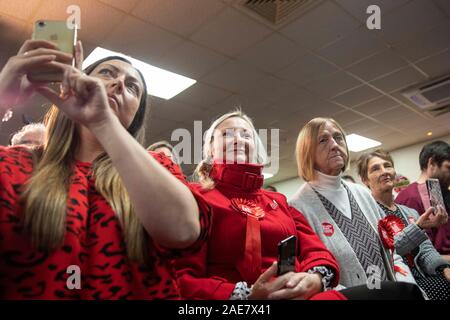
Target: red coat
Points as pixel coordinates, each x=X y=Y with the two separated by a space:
x=213 y=272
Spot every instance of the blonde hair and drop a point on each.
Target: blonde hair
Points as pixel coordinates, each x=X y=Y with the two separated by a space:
x=306 y=147
x=204 y=167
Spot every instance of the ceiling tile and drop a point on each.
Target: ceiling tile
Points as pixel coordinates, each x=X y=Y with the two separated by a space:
x=125 y=6
x=233 y=76
x=426 y=43
x=444 y=5
x=13 y=32
x=437 y=65
x=19 y=9
x=182 y=17
x=174 y=111
x=270 y=88
x=377 y=65
x=356 y=96
x=399 y=80
x=356 y=46
x=141 y=40
x=361 y=127
x=394 y=116
x=97 y=19
x=333 y=84
x=347 y=117
x=306 y=69
x=320 y=26
x=272 y=53
x=202 y=95
x=376 y=106
x=191 y=60
x=231 y=32
x=410 y=20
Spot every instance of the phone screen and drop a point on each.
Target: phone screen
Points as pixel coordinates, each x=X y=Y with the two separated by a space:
x=435 y=193
x=287 y=253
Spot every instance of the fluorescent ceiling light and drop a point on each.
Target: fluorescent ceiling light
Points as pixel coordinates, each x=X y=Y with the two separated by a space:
x=160 y=83
x=357 y=143
x=267 y=175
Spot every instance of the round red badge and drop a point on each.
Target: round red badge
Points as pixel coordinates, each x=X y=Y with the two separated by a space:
x=328 y=229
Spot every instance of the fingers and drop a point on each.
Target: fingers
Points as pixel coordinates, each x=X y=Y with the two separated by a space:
x=51 y=95
x=35 y=44
x=79 y=55
x=427 y=213
x=34 y=62
x=295 y=280
x=60 y=56
x=269 y=273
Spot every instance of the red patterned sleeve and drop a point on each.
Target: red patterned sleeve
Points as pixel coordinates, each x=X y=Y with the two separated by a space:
x=204 y=209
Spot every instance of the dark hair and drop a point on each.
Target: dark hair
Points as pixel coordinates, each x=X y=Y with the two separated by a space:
x=139 y=118
x=348 y=178
x=363 y=161
x=438 y=150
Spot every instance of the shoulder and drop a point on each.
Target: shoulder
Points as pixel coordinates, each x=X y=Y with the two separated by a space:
x=410 y=212
x=15 y=158
x=167 y=163
x=410 y=191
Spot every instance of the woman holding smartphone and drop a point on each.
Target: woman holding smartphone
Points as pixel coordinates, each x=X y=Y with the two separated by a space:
x=90 y=214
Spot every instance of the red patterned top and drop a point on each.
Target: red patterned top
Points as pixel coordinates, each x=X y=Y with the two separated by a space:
x=93 y=242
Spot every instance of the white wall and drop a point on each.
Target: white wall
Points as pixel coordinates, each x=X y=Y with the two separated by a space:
x=406 y=163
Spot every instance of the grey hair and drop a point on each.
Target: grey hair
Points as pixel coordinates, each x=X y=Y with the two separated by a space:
x=32 y=127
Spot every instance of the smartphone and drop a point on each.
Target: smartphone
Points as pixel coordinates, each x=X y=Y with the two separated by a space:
x=435 y=193
x=64 y=37
x=287 y=254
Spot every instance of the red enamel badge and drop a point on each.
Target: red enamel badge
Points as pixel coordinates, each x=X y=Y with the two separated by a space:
x=328 y=229
x=247 y=207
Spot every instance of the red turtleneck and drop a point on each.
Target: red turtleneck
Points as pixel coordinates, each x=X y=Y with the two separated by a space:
x=247 y=223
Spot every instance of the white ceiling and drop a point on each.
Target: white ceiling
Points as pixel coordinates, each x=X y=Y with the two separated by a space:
x=324 y=62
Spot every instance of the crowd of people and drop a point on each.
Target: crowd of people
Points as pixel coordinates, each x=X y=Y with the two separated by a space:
x=82 y=190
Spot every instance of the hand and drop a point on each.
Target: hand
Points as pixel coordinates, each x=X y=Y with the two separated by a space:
x=429 y=220
x=265 y=284
x=83 y=98
x=447 y=273
x=301 y=286
x=34 y=55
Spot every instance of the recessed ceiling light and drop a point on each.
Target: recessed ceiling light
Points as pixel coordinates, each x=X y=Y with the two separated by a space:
x=160 y=83
x=429 y=133
x=357 y=143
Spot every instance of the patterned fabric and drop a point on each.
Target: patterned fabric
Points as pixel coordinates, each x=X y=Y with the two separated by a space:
x=93 y=241
x=358 y=232
x=241 y=291
x=327 y=276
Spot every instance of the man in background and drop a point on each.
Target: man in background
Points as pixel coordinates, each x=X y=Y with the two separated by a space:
x=434 y=160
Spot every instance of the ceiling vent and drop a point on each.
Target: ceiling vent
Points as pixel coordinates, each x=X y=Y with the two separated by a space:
x=432 y=97
x=277 y=12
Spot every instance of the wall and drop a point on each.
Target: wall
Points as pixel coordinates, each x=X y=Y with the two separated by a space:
x=406 y=162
